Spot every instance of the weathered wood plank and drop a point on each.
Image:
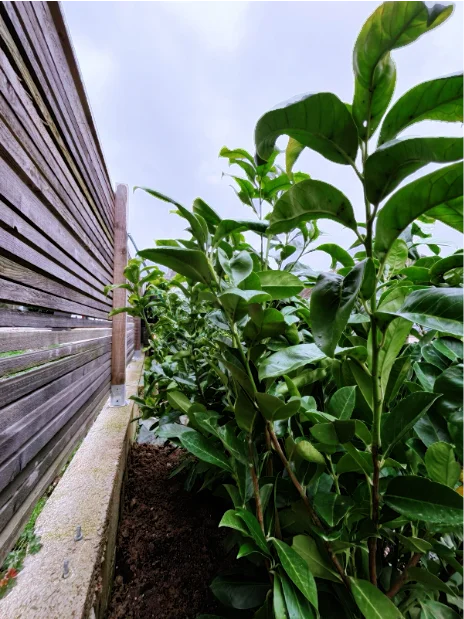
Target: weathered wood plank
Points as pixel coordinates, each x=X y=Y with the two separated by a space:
x=17 y=293
x=44 y=320
x=29 y=485
x=118 y=354
x=21 y=198
x=37 y=274
x=29 y=339
x=21 y=65
x=18 y=226
x=23 y=439
x=62 y=84
x=13 y=388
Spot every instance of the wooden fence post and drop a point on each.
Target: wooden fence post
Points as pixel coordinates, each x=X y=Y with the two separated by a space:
x=118 y=345
x=137 y=338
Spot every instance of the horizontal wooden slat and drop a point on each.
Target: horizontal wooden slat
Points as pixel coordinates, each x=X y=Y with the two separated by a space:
x=39 y=473
x=29 y=339
x=16 y=387
x=17 y=293
x=44 y=320
x=23 y=438
x=16 y=272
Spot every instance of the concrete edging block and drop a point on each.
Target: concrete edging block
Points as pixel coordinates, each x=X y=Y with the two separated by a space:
x=88 y=495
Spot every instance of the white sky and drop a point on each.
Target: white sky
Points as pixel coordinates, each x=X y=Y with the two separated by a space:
x=170 y=83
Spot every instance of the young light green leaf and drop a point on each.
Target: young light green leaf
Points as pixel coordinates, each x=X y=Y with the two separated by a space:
x=438 y=190
x=372 y=602
x=307 y=201
x=309 y=453
x=332 y=300
x=337 y=253
x=280 y=284
x=388 y=166
x=297 y=570
x=292 y=152
x=435 y=308
x=320 y=121
x=438 y=99
x=419 y=498
x=441 y=464
x=289 y=359
x=191 y=263
x=404 y=417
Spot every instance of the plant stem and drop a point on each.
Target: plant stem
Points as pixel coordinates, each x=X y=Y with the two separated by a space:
x=254 y=478
x=314 y=517
x=399 y=582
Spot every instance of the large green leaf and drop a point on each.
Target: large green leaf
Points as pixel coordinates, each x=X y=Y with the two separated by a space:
x=337 y=253
x=440 y=309
x=441 y=267
x=394 y=339
x=280 y=284
x=289 y=359
x=202 y=448
x=391 y=26
x=332 y=300
x=278 y=601
x=240 y=266
x=441 y=464
x=418 y=498
x=394 y=161
x=191 y=263
x=435 y=192
x=404 y=416
x=298 y=607
x=320 y=121
x=372 y=602
x=232 y=226
x=297 y=570
x=342 y=403
x=310 y=200
x=438 y=99
x=179 y=401
x=319 y=566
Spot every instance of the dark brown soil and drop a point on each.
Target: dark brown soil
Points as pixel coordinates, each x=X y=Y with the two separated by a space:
x=169 y=547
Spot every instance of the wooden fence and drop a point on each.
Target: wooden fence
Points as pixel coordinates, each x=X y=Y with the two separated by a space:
x=57 y=252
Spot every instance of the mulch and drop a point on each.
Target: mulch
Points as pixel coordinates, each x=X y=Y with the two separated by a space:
x=169 y=546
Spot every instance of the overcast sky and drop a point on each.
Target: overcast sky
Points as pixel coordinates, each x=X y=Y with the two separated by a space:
x=170 y=83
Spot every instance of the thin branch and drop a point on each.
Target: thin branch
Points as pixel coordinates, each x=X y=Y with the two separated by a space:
x=401 y=580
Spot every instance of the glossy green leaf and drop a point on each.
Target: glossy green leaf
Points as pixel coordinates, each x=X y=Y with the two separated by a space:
x=394 y=338
x=440 y=309
x=388 y=166
x=397 y=256
x=414 y=544
x=438 y=190
x=231 y=226
x=342 y=403
x=404 y=417
x=236 y=153
x=441 y=464
x=245 y=412
x=418 y=498
x=191 y=263
x=436 y=610
x=432 y=582
x=280 y=284
x=179 y=401
x=253 y=527
x=398 y=374
x=233 y=521
x=297 y=570
x=337 y=253
x=438 y=99
x=319 y=566
x=449 y=347
x=209 y=214
x=278 y=601
x=298 y=607
x=355 y=462
x=307 y=201
x=332 y=300
x=391 y=26
x=441 y=267
x=289 y=359
x=292 y=152
x=320 y=121
x=372 y=602
x=240 y=267
x=450 y=384
x=201 y=447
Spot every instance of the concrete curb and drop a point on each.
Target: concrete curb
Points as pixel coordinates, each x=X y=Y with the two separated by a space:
x=88 y=495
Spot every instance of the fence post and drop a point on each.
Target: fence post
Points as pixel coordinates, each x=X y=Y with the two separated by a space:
x=118 y=344
x=137 y=338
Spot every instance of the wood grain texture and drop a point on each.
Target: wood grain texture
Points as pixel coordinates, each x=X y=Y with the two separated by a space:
x=15 y=317
x=29 y=339
x=118 y=354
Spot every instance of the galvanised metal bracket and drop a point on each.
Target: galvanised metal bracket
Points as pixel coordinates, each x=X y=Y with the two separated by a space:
x=118 y=395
